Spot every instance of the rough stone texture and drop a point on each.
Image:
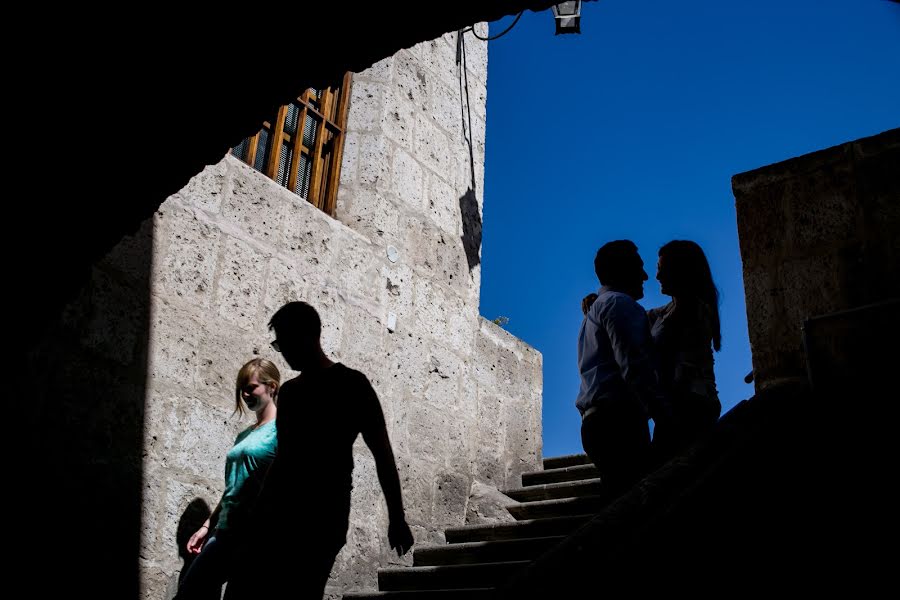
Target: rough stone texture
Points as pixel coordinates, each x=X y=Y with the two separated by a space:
x=488 y=505
x=819 y=233
x=233 y=246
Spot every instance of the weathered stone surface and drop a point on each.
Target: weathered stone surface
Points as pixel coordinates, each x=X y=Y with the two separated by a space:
x=374 y=216
x=410 y=80
x=255 y=205
x=309 y=237
x=450 y=496
x=232 y=247
x=486 y=504
x=206 y=189
x=366 y=98
x=241 y=277
x=189 y=264
x=432 y=146
x=349 y=163
x=175 y=338
x=398 y=120
x=443 y=206
x=818 y=235
x=374 y=162
x=447 y=108
x=380 y=71
x=408 y=181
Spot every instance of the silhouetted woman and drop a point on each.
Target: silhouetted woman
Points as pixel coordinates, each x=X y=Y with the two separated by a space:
x=246 y=464
x=685 y=332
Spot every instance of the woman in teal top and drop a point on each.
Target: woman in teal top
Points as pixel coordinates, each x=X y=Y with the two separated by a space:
x=214 y=544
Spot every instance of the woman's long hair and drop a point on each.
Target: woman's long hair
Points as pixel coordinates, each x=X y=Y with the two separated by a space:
x=688 y=265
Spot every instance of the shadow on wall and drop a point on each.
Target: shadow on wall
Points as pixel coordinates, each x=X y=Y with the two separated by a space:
x=471 y=226
x=191 y=519
x=87 y=368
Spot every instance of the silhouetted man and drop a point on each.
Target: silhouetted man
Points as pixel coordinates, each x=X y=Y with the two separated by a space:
x=305 y=503
x=618 y=381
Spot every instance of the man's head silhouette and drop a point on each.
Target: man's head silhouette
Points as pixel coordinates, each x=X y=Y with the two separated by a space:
x=297 y=329
x=619 y=266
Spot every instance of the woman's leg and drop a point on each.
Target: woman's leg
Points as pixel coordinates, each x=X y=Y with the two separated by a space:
x=208 y=572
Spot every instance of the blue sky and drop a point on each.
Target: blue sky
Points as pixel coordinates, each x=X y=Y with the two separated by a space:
x=634 y=128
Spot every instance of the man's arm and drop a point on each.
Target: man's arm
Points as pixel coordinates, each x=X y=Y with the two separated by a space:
x=629 y=333
x=374 y=431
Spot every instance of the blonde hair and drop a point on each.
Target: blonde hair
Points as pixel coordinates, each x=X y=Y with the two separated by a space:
x=266 y=372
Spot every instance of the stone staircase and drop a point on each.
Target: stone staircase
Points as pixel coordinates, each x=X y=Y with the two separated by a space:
x=477 y=559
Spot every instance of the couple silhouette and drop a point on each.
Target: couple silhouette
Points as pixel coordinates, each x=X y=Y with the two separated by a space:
x=285 y=512
x=635 y=366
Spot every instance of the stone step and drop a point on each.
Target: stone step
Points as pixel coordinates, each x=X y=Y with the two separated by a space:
x=461 y=594
x=575 y=473
x=562 y=507
x=516 y=530
x=448 y=577
x=484 y=552
x=569 y=460
x=553 y=491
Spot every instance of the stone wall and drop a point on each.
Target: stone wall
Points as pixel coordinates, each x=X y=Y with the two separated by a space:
x=461 y=396
x=818 y=233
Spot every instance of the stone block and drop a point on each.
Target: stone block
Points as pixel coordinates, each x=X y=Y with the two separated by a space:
x=522 y=444
x=382 y=71
x=399 y=291
x=762 y=223
x=407 y=363
x=255 y=205
x=310 y=237
x=438 y=58
x=374 y=164
x=206 y=189
x=811 y=287
x=486 y=504
x=447 y=109
x=823 y=207
x=349 y=163
x=213 y=431
x=162 y=429
x=407 y=181
x=410 y=80
x=242 y=271
x=288 y=281
x=189 y=262
x=362 y=347
x=417 y=476
x=432 y=146
x=443 y=206
x=366 y=100
x=220 y=355
x=157 y=583
x=174 y=344
x=373 y=216
x=398 y=119
x=461 y=438
x=477 y=53
x=329 y=303
x=357 y=268
x=428 y=429
x=451 y=492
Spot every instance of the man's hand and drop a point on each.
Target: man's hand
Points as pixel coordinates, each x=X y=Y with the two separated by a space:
x=400 y=537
